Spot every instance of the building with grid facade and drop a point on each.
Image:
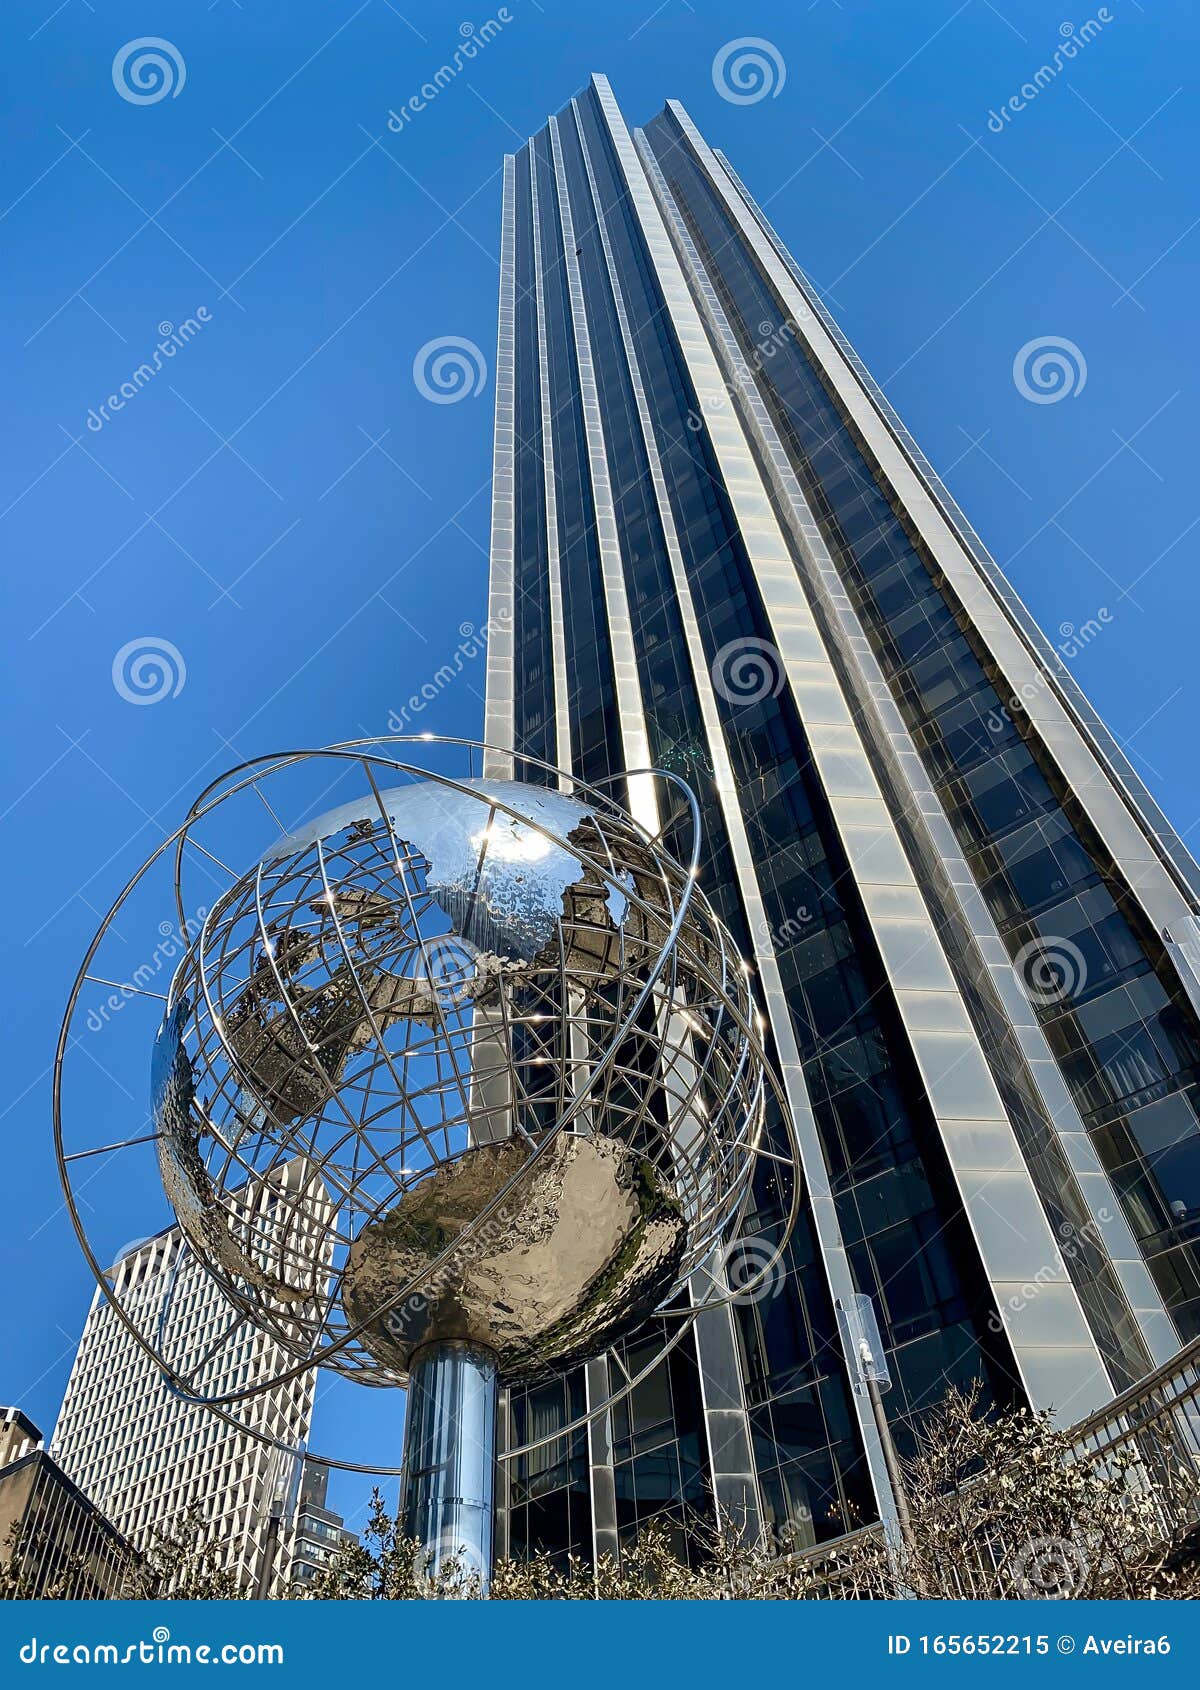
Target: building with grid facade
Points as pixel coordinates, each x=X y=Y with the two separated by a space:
x=144 y=1456
x=716 y=549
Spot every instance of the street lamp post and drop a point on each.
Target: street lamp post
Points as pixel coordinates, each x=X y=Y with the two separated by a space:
x=867 y=1363
x=282 y=1480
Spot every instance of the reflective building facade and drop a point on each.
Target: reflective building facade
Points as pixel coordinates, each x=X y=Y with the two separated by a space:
x=973 y=934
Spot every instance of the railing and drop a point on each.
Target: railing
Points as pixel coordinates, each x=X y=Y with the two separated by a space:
x=1156 y=1423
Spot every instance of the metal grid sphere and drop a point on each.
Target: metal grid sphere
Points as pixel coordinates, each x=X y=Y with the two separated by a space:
x=459 y=1058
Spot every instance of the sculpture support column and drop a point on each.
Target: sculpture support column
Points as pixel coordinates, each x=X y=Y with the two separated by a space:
x=448 y=1483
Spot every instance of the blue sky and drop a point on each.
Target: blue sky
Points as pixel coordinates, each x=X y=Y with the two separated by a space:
x=285 y=506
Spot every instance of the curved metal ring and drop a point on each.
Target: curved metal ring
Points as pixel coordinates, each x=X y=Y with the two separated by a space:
x=355 y=751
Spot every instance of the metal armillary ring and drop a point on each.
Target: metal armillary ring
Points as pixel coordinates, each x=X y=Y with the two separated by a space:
x=457 y=1084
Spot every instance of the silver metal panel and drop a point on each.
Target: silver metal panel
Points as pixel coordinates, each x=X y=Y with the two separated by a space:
x=447 y=1491
x=1067 y=1379
x=499 y=712
x=601 y=1483
x=558 y=639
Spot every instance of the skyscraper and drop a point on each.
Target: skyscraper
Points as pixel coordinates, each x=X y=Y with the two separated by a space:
x=319 y=1532
x=715 y=548
x=144 y=1456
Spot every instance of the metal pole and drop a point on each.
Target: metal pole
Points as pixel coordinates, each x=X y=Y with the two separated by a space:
x=892 y=1462
x=280 y=1485
x=448 y=1481
x=266 y=1571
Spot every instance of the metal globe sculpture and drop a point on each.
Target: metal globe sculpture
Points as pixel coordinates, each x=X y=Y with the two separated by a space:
x=456 y=1085
x=509 y=1045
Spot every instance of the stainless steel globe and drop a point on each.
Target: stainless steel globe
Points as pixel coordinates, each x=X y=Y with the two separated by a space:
x=456 y=1085
x=478 y=1060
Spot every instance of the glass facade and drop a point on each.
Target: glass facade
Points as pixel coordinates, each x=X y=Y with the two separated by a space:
x=1123 y=1039
x=753 y=595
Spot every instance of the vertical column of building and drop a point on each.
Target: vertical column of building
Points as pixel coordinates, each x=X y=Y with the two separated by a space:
x=499 y=714
x=558 y=639
x=1050 y=1132
x=523 y=338
x=722 y=1382
x=1137 y=880
x=635 y=749
x=601 y=1482
x=997 y=1196
x=722 y=1387
x=635 y=744
x=1162 y=879
x=1122 y=1306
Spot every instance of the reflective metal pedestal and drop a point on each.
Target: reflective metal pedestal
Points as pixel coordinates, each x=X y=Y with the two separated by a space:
x=447 y=1489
